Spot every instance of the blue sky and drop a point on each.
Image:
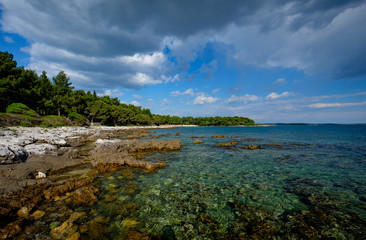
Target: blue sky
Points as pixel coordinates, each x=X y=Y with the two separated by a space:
x=272 y=61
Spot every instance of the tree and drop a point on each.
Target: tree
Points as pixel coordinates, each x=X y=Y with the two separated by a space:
x=62 y=91
x=9 y=73
x=45 y=91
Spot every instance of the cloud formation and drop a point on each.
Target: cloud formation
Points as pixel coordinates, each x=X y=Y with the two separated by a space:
x=242 y=99
x=189 y=92
x=135 y=43
x=204 y=99
x=274 y=96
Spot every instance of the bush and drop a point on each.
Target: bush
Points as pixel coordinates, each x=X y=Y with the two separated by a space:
x=25 y=124
x=78 y=119
x=55 y=121
x=21 y=109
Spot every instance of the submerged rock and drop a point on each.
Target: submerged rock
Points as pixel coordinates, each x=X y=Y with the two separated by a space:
x=197 y=142
x=86 y=195
x=252 y=147
x=38 y=214
x=219 y=136
x=226 y=144
x=64 y=231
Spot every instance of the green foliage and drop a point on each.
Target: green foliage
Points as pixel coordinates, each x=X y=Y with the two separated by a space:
x=25 y=124
x=55 y=121
x=78 y=119
x=22 y=109
x=59 y=97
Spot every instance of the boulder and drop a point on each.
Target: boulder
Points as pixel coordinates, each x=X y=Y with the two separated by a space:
x=198 y=142
x=40 y=148
x=12 y=155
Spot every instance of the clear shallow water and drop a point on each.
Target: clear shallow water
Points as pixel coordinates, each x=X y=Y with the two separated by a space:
x=308 y=181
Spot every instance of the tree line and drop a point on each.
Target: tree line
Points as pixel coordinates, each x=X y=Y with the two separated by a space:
x=58 y=97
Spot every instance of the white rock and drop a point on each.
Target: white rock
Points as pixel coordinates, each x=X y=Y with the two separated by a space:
x=40 y=148
x=41 y=175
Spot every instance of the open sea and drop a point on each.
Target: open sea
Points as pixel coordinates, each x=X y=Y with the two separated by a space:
x=302 y=182
x=307 y=182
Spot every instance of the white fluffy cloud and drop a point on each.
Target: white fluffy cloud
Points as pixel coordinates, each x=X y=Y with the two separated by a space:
x=242 y=99
x=204 y=99
x=189 y=92
x=274 y=96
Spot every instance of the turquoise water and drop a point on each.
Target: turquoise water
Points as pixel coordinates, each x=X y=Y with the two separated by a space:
x=307 y=182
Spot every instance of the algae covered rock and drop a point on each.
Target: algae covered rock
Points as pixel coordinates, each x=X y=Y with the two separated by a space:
x=64 y=231
x=226 y=144
x=86 y=195
x=252 y=147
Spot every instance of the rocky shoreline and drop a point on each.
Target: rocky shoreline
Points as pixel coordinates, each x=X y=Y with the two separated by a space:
x=34 y=162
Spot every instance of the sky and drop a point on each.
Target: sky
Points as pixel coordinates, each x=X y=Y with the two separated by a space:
x=273 y=61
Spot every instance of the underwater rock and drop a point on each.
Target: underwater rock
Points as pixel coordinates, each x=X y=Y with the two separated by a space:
x=252 y=147
x=275 y=145
x=219 y=136
x=197 y=142
x=64 y=231
x=96 y=230
x=250 y=222
x=125 y=210
x=23 y=212
x=10 y=230
x=129 y=223
x=178 y=134
x=38 y=214
x=74 y=236
x=110 y=198
x=86 y=195
x=76 y=215
x=226 y=144
x=134 y=235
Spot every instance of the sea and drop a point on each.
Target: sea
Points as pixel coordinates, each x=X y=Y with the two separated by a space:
x=261 y=182
x=299 y=182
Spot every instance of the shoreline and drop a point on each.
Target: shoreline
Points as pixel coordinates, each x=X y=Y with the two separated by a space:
x=63 y=163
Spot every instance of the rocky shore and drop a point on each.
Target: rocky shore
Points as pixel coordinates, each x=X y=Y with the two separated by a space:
x=38 y=167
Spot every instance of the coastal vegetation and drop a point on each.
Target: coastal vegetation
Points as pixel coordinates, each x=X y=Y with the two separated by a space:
x=25 y=96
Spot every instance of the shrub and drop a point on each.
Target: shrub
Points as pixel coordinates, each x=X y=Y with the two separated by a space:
x=22 y=109
x=78 y=119
x=25 y=124
x=55 y=121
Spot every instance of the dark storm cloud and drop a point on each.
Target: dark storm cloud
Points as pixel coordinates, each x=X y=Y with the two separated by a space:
x=92 y=39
